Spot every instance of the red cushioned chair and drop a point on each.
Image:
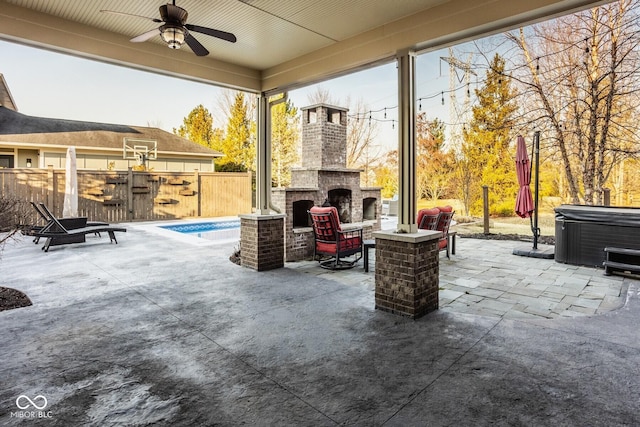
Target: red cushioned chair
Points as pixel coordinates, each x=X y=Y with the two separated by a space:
x=444 y=221
x=332 y=244
x=428 y=218
x=438 y=219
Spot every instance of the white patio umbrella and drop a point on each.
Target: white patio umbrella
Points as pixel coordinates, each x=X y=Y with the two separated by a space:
x=70 y=207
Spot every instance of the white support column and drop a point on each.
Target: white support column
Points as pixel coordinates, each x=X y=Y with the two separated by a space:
x=406 y=142
x=262 y=233
x=263 y=163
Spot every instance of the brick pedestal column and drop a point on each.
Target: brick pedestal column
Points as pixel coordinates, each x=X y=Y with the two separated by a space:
x=407 y=269
x=262 y=241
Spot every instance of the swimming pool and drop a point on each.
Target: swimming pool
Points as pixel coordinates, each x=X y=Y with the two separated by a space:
x=210 y=230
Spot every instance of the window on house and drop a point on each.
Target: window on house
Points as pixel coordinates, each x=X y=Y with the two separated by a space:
x=6 y=161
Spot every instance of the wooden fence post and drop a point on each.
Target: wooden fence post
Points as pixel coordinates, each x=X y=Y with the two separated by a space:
x=485 y=202
x=51 y=189
x=130 y=194
x=196 y=177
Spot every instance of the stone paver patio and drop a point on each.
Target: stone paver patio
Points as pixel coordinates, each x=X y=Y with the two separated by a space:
x=485 y=278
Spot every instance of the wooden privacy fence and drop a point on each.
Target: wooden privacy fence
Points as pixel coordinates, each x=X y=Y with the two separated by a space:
x=120 y=196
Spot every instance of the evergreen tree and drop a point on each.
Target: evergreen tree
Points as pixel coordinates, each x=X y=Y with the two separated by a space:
x=284 y=142
x=238 y=146
x=198 y=127
x=487 y=157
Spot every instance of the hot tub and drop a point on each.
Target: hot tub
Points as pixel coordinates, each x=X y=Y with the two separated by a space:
x=582 y=232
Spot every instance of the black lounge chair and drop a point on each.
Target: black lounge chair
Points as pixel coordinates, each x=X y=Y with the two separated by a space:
x=45 y=215
x=69 y=223
x=57 y=234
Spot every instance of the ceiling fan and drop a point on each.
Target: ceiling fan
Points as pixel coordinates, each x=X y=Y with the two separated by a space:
x=175 y=31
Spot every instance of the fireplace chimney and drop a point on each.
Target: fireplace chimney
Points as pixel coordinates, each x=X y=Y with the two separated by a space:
x=324 y=132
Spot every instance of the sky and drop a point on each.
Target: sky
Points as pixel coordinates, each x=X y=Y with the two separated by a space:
x=56 y=85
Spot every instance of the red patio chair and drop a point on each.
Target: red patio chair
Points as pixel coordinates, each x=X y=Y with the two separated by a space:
x=332 y=244
x=438 y=219
x=428 y=218
x=444 y=221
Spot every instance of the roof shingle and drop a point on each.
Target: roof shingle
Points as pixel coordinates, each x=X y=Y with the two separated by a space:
x=16 y=127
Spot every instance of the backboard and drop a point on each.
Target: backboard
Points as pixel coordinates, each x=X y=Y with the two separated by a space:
x=140 y=149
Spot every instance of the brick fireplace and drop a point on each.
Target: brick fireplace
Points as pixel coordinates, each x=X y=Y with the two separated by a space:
x=324 y=178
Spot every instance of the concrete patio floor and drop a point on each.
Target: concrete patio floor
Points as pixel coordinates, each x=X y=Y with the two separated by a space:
x=166 y=331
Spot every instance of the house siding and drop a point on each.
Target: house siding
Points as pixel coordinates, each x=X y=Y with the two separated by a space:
x=57 y=160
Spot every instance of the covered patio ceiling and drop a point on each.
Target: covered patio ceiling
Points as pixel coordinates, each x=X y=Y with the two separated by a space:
x=280 y=44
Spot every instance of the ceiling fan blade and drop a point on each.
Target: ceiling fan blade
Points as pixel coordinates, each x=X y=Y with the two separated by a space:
x=131 y=14
x=211 y=32
x=146 y=36
x=195 y=45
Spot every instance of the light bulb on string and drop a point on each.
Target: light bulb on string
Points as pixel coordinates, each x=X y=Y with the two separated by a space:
x=587 y=50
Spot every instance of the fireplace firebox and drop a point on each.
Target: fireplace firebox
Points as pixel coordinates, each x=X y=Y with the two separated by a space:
x=340 y=198
x=301 y=214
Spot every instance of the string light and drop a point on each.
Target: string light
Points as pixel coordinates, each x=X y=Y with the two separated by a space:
x=371 y=118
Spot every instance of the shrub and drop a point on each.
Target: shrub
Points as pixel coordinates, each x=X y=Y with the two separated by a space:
x=502 y=209
x=13 y=216
x=13 y=213
x=461 y=219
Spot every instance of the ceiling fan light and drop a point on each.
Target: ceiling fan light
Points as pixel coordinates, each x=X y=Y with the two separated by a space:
x=173 y=36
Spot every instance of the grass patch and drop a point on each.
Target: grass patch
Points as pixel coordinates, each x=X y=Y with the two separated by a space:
x=511 y=225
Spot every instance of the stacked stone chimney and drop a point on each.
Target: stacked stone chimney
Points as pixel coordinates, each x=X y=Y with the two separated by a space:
x=324 y=136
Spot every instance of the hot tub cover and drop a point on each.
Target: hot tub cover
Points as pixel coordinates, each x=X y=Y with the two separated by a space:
x=621 y=216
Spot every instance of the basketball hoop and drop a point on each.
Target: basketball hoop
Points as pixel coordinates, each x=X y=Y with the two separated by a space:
x=141 y=150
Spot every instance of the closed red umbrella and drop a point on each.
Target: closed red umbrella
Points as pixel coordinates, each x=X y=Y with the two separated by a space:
x=524 y=200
